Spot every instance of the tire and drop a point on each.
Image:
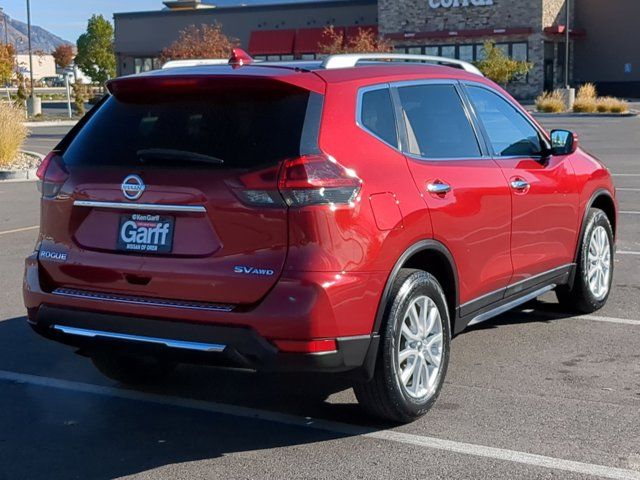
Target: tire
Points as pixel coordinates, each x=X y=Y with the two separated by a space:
x=131 y=369
x=386 y=396
x=584 y=297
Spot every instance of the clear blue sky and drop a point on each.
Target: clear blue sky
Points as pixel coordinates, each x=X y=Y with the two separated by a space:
x=68 y=18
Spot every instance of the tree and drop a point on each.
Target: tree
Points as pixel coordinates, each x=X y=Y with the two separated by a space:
x=7 y=62
x=365 y=41
x=206 y=41
x=63 y=55
x=95 y=50
x=497 y=66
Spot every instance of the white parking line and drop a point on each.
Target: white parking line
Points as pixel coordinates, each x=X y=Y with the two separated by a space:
x=624 y=189
x=597 y=318
x=629 y=212
x=593 y=318
x=17 y=230
x=328 y=426
x=625 y=174
x=623 y=252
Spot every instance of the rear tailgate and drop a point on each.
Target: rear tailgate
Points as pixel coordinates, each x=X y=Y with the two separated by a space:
x=173 y=190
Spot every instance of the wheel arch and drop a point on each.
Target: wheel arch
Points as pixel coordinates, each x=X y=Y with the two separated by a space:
x=603 y=200
x=433 y=257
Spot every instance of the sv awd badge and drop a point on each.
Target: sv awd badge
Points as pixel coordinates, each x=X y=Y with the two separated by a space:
x=253 y=271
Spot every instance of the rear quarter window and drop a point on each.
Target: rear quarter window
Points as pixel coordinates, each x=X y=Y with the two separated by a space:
x=377 y=116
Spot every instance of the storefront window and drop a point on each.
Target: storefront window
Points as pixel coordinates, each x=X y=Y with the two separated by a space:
x=414 y=50
x=431 y=51
x=146 y=64
x=519 y=52
x=504 y=47
x=480 y=53
x=466 y=53
x=448 y=51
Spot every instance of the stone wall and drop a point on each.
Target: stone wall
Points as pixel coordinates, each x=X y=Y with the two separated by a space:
x=418 y=15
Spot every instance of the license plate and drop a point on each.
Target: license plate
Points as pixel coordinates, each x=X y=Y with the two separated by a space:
x=145 y=233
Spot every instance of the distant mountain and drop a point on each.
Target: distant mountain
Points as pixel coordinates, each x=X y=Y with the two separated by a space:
x=41 y=39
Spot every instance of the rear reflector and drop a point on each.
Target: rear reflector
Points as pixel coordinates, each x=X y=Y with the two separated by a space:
x=306 y=346
x=51 y=175
x=318 y=180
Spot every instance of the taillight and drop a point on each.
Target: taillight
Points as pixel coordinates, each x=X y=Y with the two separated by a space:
x=51 y=175
x=318 y=180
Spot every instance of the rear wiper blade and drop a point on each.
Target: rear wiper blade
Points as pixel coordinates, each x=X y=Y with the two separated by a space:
x=170 y=154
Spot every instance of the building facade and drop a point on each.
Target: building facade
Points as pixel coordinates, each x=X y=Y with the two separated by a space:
x=526 y=30
x=603 y=36
x=274 y=32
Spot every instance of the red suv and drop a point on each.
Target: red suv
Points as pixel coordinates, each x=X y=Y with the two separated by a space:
x=346 y=216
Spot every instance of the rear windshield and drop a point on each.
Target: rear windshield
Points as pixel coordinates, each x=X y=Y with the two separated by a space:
x=243 y=129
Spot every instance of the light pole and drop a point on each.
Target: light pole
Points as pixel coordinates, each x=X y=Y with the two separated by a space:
x=569 y=93
x=34 y=106
x=6 y=43
x=566 y=43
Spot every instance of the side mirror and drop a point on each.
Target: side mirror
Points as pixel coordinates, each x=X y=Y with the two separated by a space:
x=563 y=142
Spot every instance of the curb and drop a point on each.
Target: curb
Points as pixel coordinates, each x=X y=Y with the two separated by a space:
x=20 y=175
x=54 y=123
x=584 y=115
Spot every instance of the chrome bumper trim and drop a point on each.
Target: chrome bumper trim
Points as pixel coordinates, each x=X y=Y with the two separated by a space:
x=180 y=344
x=141 y=206
x=135 y=300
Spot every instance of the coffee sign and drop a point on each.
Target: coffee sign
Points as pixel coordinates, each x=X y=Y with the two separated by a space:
x=459 y=3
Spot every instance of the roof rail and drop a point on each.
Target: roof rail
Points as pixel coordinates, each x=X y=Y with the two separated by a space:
x=351 y=60
x=195 y=62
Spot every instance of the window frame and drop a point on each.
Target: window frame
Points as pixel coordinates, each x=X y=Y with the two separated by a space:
x=395 y=95
x=401 y=129
x=544 y=138
x=359 y=105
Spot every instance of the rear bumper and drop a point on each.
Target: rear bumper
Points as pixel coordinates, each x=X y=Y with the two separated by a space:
x=192 y=343
x=295 y=310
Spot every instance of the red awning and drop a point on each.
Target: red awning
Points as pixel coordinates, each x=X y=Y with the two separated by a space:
x=271 y=42
x=309 y=40
x=562 y=30
x=352 y=32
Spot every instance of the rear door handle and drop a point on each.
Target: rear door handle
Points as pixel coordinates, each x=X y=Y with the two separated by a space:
x=439 y=188
x=519 y=184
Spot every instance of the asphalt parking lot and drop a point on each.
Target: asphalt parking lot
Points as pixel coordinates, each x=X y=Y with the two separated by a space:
x=530 y=394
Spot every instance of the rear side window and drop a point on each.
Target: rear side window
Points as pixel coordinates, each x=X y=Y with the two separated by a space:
x=244 y=129
x=509 y=133
x=436 y=122
x=377 y=115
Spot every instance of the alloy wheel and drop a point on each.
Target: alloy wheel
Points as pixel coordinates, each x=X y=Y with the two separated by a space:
x=599 y=263
x=420 y=348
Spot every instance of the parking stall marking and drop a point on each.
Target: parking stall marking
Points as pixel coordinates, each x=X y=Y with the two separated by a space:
x=18 y=230
x=627 y=253
x=594 y=318
x=629 y=212
x=513 y=456
x=625 y=189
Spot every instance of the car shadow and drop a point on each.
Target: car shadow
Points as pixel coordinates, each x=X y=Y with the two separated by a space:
x=535 y=311
x=65 y=433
